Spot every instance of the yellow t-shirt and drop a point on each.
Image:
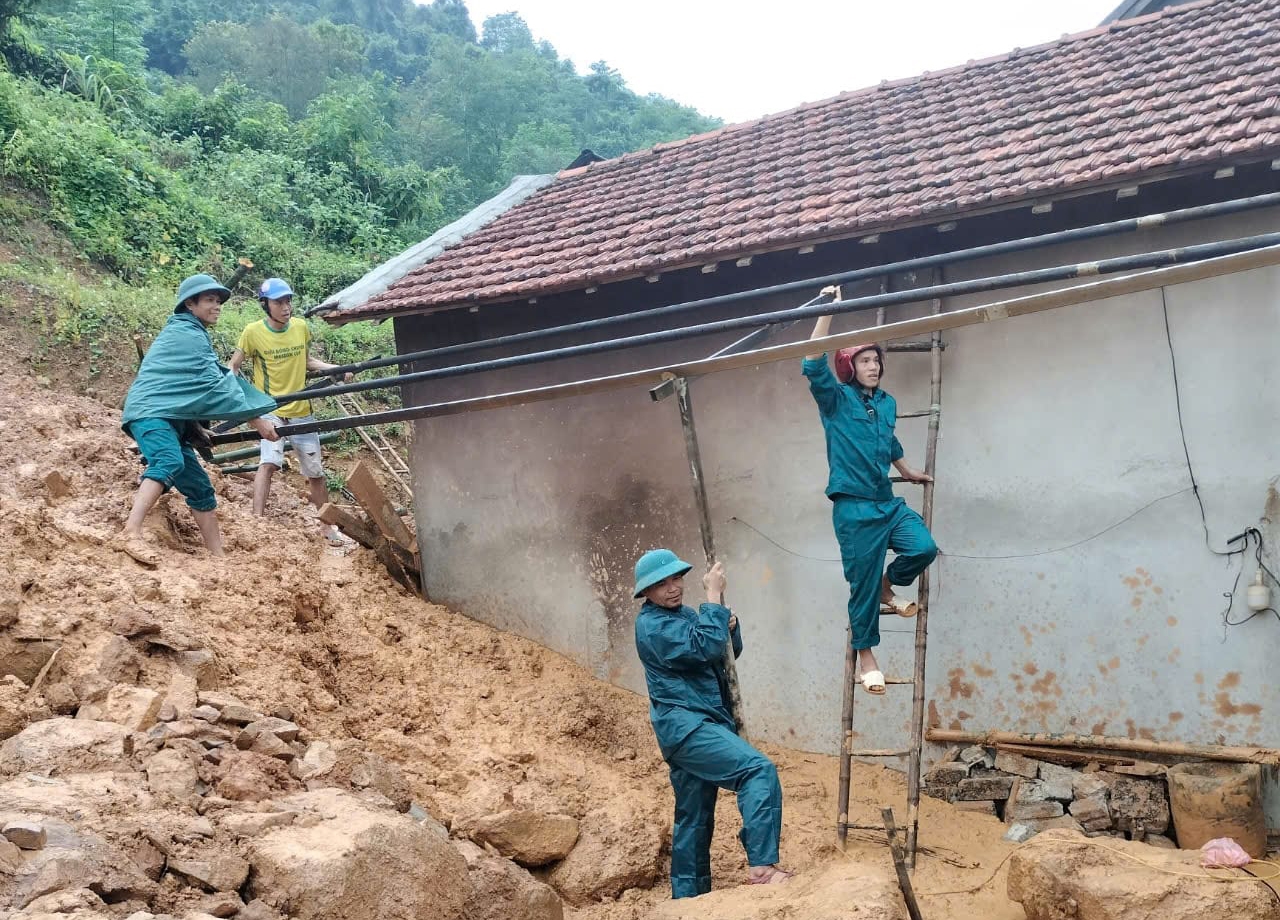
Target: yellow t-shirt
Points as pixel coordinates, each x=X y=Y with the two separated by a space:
x=279 y=361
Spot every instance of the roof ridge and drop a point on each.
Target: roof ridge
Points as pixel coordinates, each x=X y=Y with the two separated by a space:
x=972 y=63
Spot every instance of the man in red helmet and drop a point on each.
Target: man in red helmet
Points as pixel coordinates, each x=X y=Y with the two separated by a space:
x=858 y=420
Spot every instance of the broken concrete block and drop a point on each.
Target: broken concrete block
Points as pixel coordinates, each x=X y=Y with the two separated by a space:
x=976 y=754
x=1027 y=790
x=948 y=774
x=1024 y=811
x=983 y=808
x=1010 y=762
x=529 y=838
x=1086 y=785
x=1137 y=804
x=1091 y=812
x=135 y=708
x=28 y=835
x=1019 y=833
x=977 y=788
x=1057 y=781
x=217 y=873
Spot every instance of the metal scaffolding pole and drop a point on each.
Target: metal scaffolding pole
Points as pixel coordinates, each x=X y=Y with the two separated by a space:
x=1110 y=228
x=1018 y=306
x=956 y=289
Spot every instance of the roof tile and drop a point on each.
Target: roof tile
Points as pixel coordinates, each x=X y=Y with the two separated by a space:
x=1191 y=84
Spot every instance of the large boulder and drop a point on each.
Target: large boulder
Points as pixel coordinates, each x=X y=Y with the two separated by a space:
x=619 y=847
x=504 y=891
x=841 y=891
x=529 y=837
x=60 y=745
x=357 y=862
x=133 y=707
x=74 y=858
x=1062 y=875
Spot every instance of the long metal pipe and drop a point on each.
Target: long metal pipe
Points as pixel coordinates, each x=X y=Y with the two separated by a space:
x=1018 y=306
x=953 y=289
x=946 y=258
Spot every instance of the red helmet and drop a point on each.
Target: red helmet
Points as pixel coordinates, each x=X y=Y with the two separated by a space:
x=845 y=356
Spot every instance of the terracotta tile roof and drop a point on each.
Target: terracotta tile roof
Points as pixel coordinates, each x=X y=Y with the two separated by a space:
x=1185 y=87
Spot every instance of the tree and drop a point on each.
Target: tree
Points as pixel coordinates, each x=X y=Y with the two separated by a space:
x=506 y=33
x=101 y=29
x=537 y=148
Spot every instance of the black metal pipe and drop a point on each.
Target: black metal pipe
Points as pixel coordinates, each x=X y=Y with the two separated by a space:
x=960 y=255
x=903 y=329
x=952 y=289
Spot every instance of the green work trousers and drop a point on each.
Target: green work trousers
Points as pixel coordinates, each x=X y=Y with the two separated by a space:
x=866 y=531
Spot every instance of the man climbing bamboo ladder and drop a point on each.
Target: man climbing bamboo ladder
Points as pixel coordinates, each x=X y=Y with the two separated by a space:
x=858 y=419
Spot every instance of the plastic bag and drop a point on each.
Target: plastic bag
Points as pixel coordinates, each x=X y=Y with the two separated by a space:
x=1223 y=853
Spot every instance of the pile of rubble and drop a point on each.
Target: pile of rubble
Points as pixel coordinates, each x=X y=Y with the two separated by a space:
x=1033 y=795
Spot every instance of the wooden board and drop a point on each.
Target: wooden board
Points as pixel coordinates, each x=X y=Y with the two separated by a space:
x=369 y=494
x=1063 y=756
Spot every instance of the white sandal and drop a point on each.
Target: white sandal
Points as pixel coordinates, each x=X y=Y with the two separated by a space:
x=872 y=682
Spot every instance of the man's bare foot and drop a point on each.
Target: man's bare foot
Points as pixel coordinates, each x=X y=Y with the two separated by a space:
x=886 y=590
x=137 y=548
x=767 y=875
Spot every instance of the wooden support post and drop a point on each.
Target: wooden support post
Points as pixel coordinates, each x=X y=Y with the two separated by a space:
x=400 y=563
x=900 y=864
x=374 y=501
x=846 y=742
x=1268 y=756
x=708 y=537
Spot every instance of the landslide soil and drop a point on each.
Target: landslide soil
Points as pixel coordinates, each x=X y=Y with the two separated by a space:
x=478 y=720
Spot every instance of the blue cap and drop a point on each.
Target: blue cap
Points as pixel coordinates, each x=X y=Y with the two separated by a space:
x=657 y=565
x=274 y=289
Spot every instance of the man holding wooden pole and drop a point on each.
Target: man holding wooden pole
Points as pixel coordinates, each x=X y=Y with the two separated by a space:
x=278 y=350
x=858 y=421
x=682 y=653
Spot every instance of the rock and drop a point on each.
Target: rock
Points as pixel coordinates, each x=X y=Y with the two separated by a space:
x=107 y=660
x=75 y=858
x=171 y=774
x=55 y=745
x=976 y=754
x=28 y=835
x=56 y=484
x=366 y=770
x=1061 y=822
x=504 y=891
x=357 y=863
x=182 y=692
x=216 y=873
x=168 y=712
x=10 y=602
x=1027 y=790
x=206 y=713
x=61 y=698
x=319 y=759
x=1137 y=805
x=134 y=621
x=1011 y=762
x=1024 y=811
x=279 y=728
x=1019 y=833
x=10 y=857
x=948 y=774
x=284 y=713
x=24 y=658
x=269 y=745
x=1057 y=781
x=977 y=788
x=221 y=905
x=983 y=808
x=200 y=665
x=239 y=715
x=244 y=776
x=16 y=710
x=254 y=823
x=135 y=708
x=63 y=902
x=1159 y=840
x=619 y=847
x=529 y=838
x=1064 y=875
x=259 y=910
x=148 y=859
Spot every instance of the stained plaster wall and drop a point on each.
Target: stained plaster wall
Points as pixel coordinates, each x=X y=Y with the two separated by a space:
x=1060 y=449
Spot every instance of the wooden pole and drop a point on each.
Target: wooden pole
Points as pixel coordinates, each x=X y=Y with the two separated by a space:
x=846 y=742
x=1269 y=756
x=708 y=538
x=900 y=864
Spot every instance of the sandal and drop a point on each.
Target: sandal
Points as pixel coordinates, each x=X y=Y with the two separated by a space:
x=872 y=682
x=901 y=606
x=774 y=876
x=138 y=549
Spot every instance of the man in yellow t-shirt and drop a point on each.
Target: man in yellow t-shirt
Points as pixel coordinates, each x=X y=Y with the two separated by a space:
x=277 y=349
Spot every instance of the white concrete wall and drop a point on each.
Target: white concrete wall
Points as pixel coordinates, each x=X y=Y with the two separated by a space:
x=1055 y=428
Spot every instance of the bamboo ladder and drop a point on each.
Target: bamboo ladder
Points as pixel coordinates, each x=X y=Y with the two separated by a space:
x=913 y=754
x=390 y=458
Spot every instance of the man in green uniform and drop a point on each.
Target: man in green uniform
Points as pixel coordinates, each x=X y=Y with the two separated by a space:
x=682 y=651
x=180 y=385
x=858 y=420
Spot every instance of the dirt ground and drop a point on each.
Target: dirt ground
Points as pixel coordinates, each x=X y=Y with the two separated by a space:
x=477 y=720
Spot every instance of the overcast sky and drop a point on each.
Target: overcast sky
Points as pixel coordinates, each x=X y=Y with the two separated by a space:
x=740 y=59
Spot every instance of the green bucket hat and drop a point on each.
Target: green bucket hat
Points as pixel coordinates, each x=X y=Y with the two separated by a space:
x=197 y=285
x=656 y=565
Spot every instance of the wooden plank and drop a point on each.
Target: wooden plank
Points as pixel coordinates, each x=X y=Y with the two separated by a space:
x=900 y=864
x=374 y=501
x=349 y=524
x=1063 y=756
x=1241 y=754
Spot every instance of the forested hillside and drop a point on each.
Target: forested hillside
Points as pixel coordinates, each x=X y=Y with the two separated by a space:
x=314 y=137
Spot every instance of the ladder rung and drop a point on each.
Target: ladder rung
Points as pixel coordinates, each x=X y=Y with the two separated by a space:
x=890 y=612
x=921 y=413
x=925 y=346
x=878 y=752
x=849 y=826
x=898 y=682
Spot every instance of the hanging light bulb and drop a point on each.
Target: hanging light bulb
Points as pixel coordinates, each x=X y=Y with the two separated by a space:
x=1259 y=595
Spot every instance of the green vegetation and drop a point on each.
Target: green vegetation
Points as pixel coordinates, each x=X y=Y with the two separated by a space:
x=313 y=137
